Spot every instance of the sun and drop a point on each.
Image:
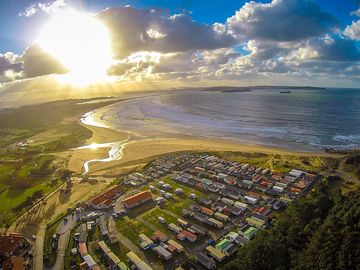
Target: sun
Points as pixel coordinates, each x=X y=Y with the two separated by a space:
x=81 y=43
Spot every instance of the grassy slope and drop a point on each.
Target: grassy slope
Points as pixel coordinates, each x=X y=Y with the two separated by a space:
x=36 y=168
x=282 y=163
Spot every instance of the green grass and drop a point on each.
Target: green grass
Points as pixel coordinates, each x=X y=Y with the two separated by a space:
x=131 y=228
x=68 y=256
x=187 y=190
x=119 y=250
x=176 y=205
x=280 y=163
x=73 y=135
x=180 y=202
x=23 y=172
x=152 y=217
x=94 y=234
x=10 y=199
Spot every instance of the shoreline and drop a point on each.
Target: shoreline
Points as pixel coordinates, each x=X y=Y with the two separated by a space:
x=137 y=151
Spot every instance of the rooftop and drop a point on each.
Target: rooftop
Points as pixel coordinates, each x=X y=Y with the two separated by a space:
x=137 y=198
x=106 y=197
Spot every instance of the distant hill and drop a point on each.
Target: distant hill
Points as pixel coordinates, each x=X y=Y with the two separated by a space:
x=47 y=114
x=253 y=88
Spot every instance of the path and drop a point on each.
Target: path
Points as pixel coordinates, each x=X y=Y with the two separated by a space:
x=60 y=255
x=39 y=247
x=64 y=230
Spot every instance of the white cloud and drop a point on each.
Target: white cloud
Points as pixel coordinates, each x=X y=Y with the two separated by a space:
x=280 y=21
x=135 y=30
x=46 y=7
x=150 y=44
x=155 y=34
x=353 y=31
x=356 y=12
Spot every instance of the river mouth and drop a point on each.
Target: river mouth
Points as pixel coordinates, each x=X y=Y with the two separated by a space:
x=116 y=152
x=116 y=149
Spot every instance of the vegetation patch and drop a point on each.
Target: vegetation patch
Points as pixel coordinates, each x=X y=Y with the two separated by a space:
x=319 y=231
x=131 y=228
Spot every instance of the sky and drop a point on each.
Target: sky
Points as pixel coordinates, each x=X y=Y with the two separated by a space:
x=162 y=43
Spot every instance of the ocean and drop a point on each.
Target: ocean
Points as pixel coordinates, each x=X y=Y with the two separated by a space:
x=305 y=120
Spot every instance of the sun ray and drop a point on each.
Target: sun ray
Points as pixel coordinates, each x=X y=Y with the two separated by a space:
x=81 y=43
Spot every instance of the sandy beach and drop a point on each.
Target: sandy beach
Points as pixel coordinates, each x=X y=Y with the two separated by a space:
x=139 y=152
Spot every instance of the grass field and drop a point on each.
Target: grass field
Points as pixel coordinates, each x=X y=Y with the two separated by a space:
x=11 y=199
x=282 y=163
x=119 y=250
x=31 y=139
x=26 y=170
x=131 y=228
x=152 y=217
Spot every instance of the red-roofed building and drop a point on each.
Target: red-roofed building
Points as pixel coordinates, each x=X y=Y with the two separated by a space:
x=207 y=211
x=254 y=195
x=171 y=248
x=106 y=198
x=11 y=244
x=13 y=263
x=159 y=236
x=137 y=199
x=187 y=235
x=83 y=249
x=266 y=184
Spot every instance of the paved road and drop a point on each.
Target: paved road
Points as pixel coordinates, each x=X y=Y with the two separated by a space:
x=62 y=245
x=64 y=230
x=39 y=247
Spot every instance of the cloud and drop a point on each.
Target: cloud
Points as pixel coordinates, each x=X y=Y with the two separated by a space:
x=341 y=50
x=153 y=30
x=9 y=61
x=46 y=7
x=280 y=21
x=353 y=31
x=38 y=63
x=285 y=40
x=177 y=66
x=337 y=50
x=10 y=67
x=356 y=13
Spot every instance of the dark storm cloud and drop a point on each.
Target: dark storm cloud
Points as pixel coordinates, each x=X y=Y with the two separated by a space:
x=38 y=63
x=153 y=30
x=280 y=20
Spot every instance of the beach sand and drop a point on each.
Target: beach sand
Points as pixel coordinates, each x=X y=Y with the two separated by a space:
x=141 y=151
x=99 y=135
